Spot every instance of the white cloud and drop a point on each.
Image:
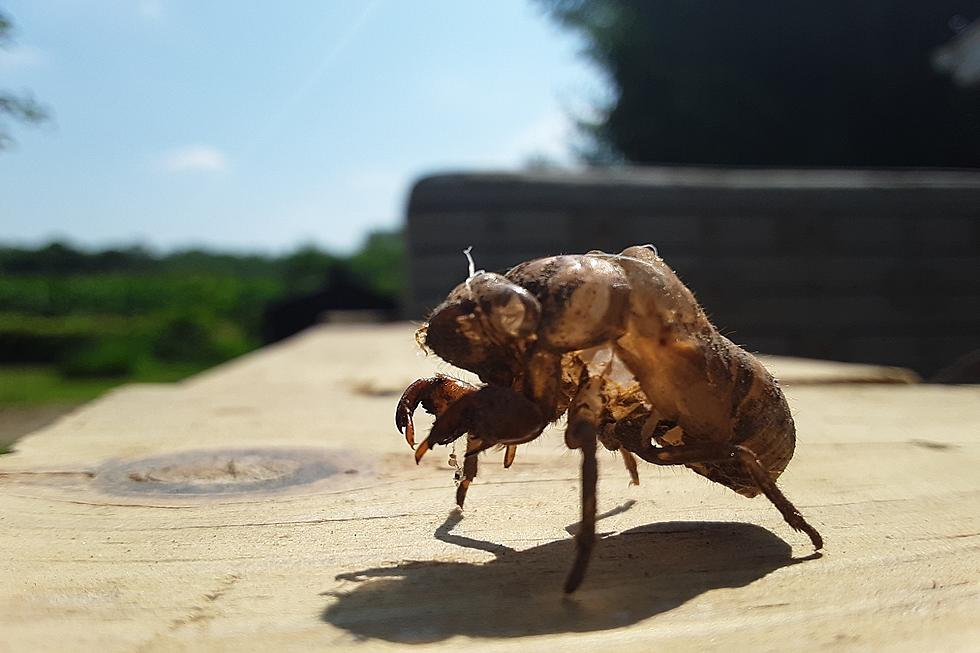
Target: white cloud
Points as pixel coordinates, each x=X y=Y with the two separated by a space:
x=194 y=158
x=548 y=136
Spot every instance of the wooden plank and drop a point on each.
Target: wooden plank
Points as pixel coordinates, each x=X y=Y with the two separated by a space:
x=102 y=551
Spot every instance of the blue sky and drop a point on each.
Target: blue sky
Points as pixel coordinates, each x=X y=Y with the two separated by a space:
x=259 y=126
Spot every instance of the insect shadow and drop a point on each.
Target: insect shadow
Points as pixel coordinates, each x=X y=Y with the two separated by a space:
x=634 y=575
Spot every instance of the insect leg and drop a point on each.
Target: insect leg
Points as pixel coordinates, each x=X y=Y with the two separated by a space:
x=581 y=434
x=509 y=454
x=789 y=512
x=585 y=538
x=630 y=461
x=469 y=470
x=718 y=452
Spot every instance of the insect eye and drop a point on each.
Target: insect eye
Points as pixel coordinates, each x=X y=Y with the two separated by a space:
x=506 y=308
x=517 y=316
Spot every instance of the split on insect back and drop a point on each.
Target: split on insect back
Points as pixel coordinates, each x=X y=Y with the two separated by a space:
x=618 y=344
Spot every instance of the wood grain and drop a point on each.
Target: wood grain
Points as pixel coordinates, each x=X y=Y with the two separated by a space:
x=108 y=548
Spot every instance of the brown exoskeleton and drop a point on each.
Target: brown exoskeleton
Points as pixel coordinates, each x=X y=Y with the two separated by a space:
x=620 y=344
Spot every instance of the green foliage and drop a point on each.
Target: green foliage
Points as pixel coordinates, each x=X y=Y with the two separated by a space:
x=307 y=269
x=380 y=264
x=112 y=315
x=776 y=82
x=198 y=337
x=30 y=385
x=125 y=294
x=106 y=358
x=60 y=259
x=28 y=338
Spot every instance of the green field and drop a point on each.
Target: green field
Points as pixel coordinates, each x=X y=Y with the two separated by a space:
x=26 y=386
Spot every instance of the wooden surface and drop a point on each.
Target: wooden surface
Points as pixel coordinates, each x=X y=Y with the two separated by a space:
x=160 y=518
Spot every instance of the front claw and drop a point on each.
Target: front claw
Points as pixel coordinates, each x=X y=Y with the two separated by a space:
x=435 y=394
x=421 y=451
x=493 y=415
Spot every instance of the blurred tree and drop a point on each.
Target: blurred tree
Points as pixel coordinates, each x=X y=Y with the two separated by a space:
x=19 y=107
x=777 y=82
x=380 y=263
x=308 y=269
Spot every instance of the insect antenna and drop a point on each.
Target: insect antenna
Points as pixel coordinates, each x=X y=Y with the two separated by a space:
x=472 y=268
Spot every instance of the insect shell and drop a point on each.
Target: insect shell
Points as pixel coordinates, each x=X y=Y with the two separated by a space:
x=618 y=343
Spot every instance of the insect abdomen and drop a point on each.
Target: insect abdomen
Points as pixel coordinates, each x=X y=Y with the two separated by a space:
x=761 y=422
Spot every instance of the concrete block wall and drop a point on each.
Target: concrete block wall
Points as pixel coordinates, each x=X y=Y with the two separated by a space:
x=865 y=266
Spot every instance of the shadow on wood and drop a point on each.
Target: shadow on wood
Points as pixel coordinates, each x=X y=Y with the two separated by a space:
x=633 y=575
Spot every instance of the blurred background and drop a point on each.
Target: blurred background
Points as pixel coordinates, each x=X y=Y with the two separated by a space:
x=183 y=182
